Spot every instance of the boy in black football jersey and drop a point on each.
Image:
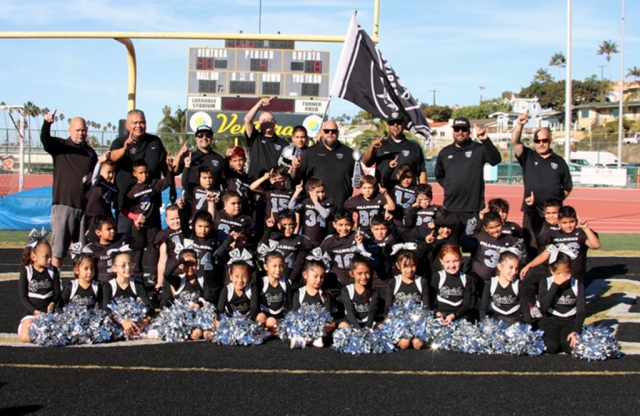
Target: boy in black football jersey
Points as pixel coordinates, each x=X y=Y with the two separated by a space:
x=101 y=191
x=574 y=235
x=142 y=206
x=422 y=212
x=402 y=188
x=237 y=179
x=501 y=206
x=276 y=193
x=205 y=243
x=341 y=247
x=379 y=245
x=196 y=196
x=490 y=243
x=231 y=215
x=294 y=247
x=370 y=202
x=315 y=209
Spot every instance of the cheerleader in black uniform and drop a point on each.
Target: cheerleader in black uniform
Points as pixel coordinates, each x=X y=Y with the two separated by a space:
x=452 y=287
x=273 y=292
x=562 y=301
x=359 y=298
x=239 y=295
x=123 y=285
x=188 y=286
x=39 y=283
x=312 y=296
x=503 y=295
x=83 y=290
x=407 y=286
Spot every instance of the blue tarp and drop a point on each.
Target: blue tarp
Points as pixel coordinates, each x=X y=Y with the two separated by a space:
x=30 y=209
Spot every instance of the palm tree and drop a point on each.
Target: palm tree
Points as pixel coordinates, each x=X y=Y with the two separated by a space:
x=558 y=60
x=607 y=48
x=173 y=127
x=634 y=72
x=542 y=76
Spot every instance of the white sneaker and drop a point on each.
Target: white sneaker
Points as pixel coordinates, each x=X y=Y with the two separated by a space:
x=318 y=343
x=297 y=343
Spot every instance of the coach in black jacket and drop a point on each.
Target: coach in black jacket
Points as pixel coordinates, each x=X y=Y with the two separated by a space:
x=73 y=159
x=460 y=169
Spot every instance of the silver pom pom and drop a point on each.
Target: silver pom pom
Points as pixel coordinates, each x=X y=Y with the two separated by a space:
x=238 y=330
x=596 y=343
x=305 y=323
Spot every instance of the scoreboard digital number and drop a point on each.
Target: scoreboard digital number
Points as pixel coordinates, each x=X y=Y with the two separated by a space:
x=248 y=68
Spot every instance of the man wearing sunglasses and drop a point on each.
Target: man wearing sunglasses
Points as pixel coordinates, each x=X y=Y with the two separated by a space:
x=330 y=161
x=265 y=146
x=460 y=169
x=204 y=155
x=545 y=174
x=383 y=151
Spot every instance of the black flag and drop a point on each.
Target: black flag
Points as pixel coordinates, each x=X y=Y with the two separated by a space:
x=365 y=78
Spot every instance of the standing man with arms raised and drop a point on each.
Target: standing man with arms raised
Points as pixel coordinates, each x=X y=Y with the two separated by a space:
x=383 y=151
x=332 y=162
x=73 y=159
x=545 y=174
x=265 y=146
x=460 y=169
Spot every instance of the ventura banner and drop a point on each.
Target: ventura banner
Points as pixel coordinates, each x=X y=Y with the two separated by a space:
x=365 y=78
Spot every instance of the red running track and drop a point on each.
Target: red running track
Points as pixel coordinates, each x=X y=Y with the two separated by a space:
x=607 y=210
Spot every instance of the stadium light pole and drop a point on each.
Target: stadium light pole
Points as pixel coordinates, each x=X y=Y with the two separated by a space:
x=621 y=96
x=568 y=91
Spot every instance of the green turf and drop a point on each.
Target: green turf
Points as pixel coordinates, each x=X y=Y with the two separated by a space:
x=610 y=242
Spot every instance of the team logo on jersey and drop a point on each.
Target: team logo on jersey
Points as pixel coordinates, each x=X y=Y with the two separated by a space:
x=215 y=163
x=339 y=155
x=277 y=147
x=536 y=163
x=554 y=166
x=405 y=153
x=450 y=157
x=133 y=150
x=468 y=153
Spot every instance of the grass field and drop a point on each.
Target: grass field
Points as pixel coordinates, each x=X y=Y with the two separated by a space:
x=612 y=244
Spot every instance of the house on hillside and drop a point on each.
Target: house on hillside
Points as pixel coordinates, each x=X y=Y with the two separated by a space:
x=601 y=113
x=520 y=105
x=629 y=89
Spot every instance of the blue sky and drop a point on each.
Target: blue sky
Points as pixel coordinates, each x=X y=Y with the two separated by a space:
x=452 y=47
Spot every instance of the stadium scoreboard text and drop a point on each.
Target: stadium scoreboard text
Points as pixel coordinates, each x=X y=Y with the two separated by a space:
x=247 y=68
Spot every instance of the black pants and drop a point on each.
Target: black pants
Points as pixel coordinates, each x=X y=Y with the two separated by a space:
x=531 y=281
x=467 y=244
x=147 y=235
x=556 y=331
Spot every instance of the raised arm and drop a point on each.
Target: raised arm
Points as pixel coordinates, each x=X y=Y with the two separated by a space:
x=248 y=119
x=518 y=147
x=369 y=156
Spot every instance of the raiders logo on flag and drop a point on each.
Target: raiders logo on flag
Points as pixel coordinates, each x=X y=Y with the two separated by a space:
x=366 y=78
x=405 y=153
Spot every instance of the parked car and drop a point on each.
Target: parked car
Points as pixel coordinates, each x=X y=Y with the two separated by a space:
x=633 y=139
x=576 y=173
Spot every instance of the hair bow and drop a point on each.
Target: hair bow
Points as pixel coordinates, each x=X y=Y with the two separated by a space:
x=514 y=249
x=122 y=249
x=35 y=236
x=554 y=250
x=267 y=248
x=403 y=246
x=318 y=254
x=237 y=255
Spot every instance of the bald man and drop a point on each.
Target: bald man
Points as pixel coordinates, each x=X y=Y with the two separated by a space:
x=330 y=161
x=265 y=146
x=73 y=160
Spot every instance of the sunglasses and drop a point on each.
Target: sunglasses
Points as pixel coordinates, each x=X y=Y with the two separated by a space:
x=459 y=129
x=541 y=141
x=207 y=135
x=394 y=123
x=330 y=131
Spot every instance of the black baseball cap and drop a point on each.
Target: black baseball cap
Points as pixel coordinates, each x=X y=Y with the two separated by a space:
x=395 y=116
x=204 y=129
x=462 y=122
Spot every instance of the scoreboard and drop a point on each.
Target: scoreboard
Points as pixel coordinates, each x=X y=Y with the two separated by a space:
x=248 y=68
